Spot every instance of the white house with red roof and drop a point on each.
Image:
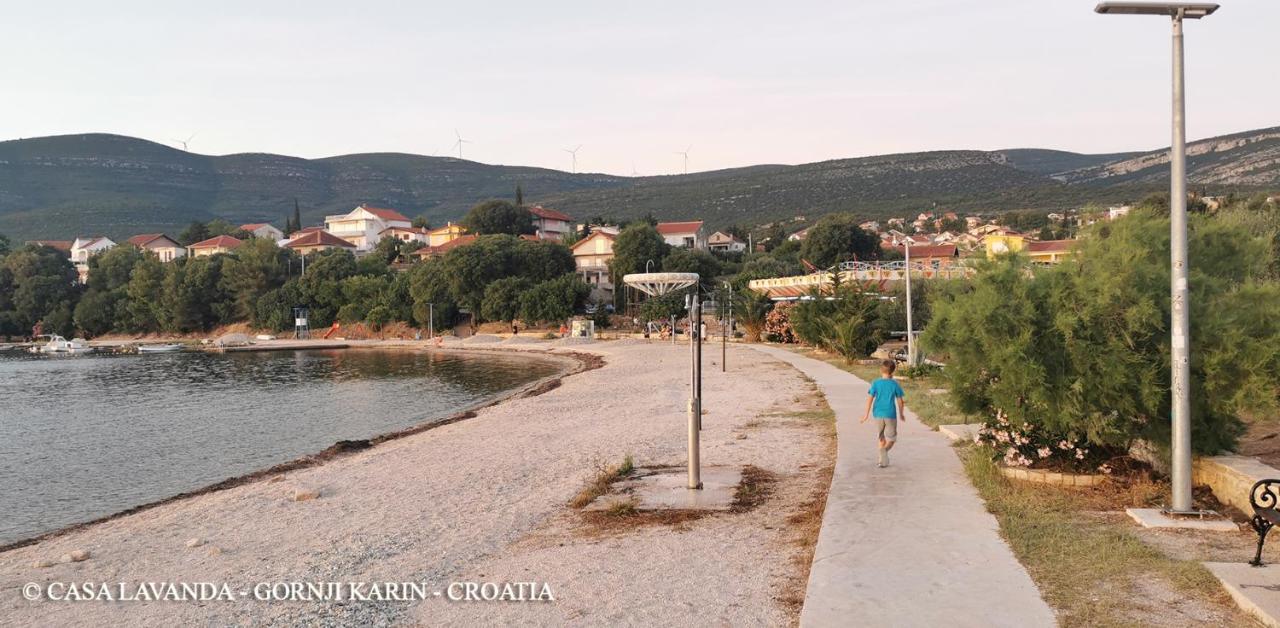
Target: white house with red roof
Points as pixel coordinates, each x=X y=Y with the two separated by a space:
x=688 y=235
x=314 y=240
x=84 y=248
x=407 y=234
x=591 y=257
x=263 y=230
x=364 y=225
x=550 y=224
x=165 y=248
x=725 y=243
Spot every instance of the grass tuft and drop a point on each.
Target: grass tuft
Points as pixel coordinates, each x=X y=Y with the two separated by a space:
x=604 y=478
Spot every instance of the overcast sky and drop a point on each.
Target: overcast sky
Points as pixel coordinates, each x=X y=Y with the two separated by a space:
x=741 y=82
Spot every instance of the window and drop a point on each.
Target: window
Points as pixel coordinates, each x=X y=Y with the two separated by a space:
x=688 y=243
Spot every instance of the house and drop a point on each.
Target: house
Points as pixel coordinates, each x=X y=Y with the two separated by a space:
x=213 y=246
x=1049 y=251
x=799 y=235
x=61 y=245
x=437 y=237
x=84 y=248
x=870 y=226
x=935 y=255
x=725 y=243
x=165 y=248
x=407 y=234
x=1042 y=252
x=972 y=221
x=549 y=223
x=311 y=241
x=445 y=247
x=1117 y=212
x=591 y=256
x=1056 y=217
x=362 y=225
x=263 y=230
x=686 y=235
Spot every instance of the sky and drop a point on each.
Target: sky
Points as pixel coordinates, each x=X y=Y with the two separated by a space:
x=733 y=82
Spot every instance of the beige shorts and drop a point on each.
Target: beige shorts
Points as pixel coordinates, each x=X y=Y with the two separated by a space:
x=888 y=429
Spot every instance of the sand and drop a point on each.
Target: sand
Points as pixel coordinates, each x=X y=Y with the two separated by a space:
x=482 y=499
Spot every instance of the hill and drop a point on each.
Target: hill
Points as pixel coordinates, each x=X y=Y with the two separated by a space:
x=64 y=186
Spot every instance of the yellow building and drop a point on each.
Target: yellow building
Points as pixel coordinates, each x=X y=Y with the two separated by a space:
x=447 y=233
x=1040 y=251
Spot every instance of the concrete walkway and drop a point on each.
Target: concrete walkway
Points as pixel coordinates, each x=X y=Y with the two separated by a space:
x=912 y=544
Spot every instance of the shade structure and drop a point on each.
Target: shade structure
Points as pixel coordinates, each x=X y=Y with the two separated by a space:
x=658 y=284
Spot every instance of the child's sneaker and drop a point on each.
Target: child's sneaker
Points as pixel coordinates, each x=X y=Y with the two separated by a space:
x=884 y=458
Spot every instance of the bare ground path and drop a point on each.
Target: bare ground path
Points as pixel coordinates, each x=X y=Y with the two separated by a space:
x=484 y=499
x=910 y=545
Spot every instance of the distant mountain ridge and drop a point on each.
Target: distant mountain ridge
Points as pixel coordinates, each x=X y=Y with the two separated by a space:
x=64 y=186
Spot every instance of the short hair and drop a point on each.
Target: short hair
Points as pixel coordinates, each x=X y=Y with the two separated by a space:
x=889 y=365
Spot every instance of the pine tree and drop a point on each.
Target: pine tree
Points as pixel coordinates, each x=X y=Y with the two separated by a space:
x=519 y=196
x=297 y=216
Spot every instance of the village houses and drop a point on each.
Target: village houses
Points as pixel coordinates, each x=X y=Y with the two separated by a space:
x=214 y=246
x=722 y=242
x=262 y=230
x=165 y=248
x=364 y=225
x=685 y=235
x=550 y=224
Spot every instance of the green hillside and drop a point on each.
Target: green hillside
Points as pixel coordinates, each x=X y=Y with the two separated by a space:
x=64 y=186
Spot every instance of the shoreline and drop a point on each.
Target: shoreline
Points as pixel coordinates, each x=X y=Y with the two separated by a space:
x=576 y=362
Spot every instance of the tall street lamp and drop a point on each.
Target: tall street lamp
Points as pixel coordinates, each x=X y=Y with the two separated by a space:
x=1181 y=376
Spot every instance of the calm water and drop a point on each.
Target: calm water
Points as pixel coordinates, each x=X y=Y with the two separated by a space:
x=84 y=437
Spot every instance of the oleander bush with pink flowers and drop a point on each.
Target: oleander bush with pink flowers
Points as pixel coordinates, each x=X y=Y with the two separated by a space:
x=1027 y=445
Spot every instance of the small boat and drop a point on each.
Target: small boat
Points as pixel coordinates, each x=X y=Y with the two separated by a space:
x=58 y=344
x=168 y=348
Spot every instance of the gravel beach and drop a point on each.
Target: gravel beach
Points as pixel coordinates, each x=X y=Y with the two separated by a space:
x=485 y=499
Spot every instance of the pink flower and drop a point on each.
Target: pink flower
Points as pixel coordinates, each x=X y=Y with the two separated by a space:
x=1079 y=455
x=1044 y=452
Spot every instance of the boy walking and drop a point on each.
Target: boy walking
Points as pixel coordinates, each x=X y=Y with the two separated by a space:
x=884 y=402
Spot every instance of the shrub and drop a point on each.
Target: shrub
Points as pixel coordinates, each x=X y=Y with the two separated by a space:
x=1084 y=348
x=777 y=323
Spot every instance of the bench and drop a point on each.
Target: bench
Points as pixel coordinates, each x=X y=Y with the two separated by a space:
x=1264 y=497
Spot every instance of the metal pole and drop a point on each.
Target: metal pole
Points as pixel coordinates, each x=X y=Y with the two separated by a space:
x=697 y=352
x=1181 y=376
x=911 y=341
x=724 y=331
x=695 y=419
x=431 y=321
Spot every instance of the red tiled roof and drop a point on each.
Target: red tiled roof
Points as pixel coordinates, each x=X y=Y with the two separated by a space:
x=61 y=245
x=385 y=214
x=549 y=214
x=1049 y=246
x=919 y=251
x=318 y=237
x=222 y=241
x=143 y=239
x=304 y=230
x=672 y=228
x=603 y=234
x=254 y=226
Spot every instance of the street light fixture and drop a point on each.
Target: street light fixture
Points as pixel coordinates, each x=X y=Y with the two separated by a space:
x=1180 y=336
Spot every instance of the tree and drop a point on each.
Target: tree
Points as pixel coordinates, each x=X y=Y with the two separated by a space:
x=321 y=288
x=553 y=300
x=498 y=217
x=706 y=265
x=4 y=244
x=144 y=297
x=41 y=282
x=297 y=218
x=664 y=307
x=633 y=248
x=502 y=299
x=421 y=222
x=1083 y=349
x=377 y=318
x=750 y=309
x=195 y=232
x=774 y=236
x=954 y=225
x=519 y=196
x=837 y=238
x=253 y=269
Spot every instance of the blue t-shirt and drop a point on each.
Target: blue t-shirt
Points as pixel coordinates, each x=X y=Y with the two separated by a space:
x=885 y=391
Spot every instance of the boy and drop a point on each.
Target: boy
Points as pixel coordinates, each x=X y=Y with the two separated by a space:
x=884 y=401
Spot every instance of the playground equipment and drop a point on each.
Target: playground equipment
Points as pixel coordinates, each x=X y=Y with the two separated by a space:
x=659 y=284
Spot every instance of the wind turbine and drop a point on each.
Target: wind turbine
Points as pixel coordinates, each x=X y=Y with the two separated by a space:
x=460 y=142
x=685 y=152
x=184 y=142
x=574 y=152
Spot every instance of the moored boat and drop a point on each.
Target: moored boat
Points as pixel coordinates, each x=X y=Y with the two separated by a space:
x=58 y=344
x=165 y=348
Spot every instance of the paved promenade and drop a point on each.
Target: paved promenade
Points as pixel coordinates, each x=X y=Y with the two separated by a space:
x=912 y=544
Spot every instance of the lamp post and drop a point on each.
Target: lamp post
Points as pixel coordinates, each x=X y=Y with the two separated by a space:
x=911 y=341
x=1179 y=329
